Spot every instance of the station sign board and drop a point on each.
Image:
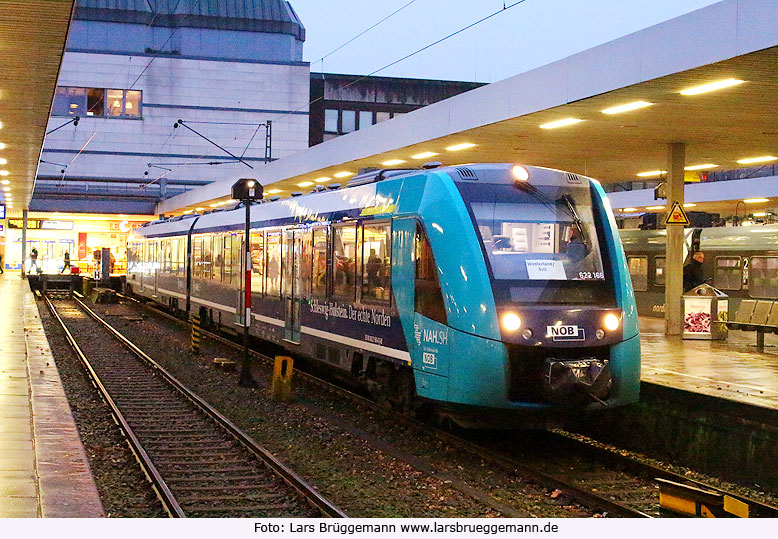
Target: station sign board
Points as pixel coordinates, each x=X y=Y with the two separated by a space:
x=2 y=211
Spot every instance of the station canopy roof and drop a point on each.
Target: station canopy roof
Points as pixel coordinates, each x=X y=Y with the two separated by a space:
x=32 y=41
x=733 y=40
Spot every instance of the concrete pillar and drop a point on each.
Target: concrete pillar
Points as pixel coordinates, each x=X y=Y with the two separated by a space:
x=676 y=160
x=24 y=241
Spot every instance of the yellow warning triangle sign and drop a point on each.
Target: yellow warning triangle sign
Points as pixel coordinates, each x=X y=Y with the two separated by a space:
x=676 y=215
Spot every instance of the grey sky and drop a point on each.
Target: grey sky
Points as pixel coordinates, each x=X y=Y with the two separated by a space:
x=528 y=35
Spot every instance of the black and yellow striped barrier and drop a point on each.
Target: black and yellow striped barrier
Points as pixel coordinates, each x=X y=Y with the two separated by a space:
x=194 y=320
x=281 y=388
x=697 y=502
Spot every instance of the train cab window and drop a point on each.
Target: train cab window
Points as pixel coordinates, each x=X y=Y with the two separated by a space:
x=344 y=251
x=257 y=261
x=207 y=256
x=428 y=300
x=729 y=273
x=376 y=263
x=638 y=270
x=273 y=239
x=763 y=275
x=218 y=257
x=319 y=259
x=659 y=271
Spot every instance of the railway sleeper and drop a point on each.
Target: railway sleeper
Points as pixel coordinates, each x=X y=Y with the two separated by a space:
x=223 y=488
x=231 y=479
x=227 y=509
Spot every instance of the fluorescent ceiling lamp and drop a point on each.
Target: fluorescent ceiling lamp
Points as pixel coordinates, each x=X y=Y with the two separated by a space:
x=689 y=205
x=561 y=123
x=3 y=161
x=3 y=173
x=304 y=184
x=343 y=174
x=2 y=145
x=718 y=85
x=457 y=147
x=701 y=167
x=392 y=162
x=629 y=209
x=756 y=200
x=274 y=191
x=423 y=155
x=655 y=207
x=213 y=205
x=5 y=182
x=187 y=212
x=627 y=107
x=761 y=214
x=762 y=159
x=651 y=173
x=199 y=209
x=322 y=179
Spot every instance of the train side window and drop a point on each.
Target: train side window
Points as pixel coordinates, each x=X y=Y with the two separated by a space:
x=207 y=255
x=729 y=273
x=319 y=256
x=218 y=257
x=763 y=274
x=273 y=239
x=197 y=256
x=638 y=270
x=344 y=251
x=428 y=300
x=659 y=271
x=376 y=263
x=230 y=242
x=257 y=261
x=182 y=256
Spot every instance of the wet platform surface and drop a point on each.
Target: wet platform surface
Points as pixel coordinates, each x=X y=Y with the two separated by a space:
x=44 y=471
x=733 y=369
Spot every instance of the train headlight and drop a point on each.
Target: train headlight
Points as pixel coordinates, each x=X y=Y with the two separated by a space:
x=511 y=321
x=611 y=322
x=520 y=173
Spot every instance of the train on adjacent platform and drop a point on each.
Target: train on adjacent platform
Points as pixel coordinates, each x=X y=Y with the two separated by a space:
x=497 y=292
x=740 y=261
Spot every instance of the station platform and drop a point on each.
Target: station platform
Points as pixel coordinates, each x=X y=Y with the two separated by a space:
x=733 y=369
x=44 y=471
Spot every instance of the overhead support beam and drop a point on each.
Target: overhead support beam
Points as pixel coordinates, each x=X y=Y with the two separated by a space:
x=674 y=256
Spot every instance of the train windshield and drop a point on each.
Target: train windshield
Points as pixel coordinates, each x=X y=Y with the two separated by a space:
x=536 y=233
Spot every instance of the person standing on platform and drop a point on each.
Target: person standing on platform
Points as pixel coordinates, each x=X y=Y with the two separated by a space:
x=67 y=262
x=34 y=259
x=1 y=263
x=692 y=272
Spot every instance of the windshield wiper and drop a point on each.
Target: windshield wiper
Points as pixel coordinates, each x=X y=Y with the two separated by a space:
x=553 y=205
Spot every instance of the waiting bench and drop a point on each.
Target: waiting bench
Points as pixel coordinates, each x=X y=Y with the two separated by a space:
x=756 y=315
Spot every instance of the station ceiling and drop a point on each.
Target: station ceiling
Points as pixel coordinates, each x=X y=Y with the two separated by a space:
x=32 y=42
x=719 y=127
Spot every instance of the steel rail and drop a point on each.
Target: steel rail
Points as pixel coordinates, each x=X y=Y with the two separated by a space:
x=326 y=507
x=166 y=497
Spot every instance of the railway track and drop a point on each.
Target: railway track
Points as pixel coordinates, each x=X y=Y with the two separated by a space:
x=595 y=476
x=198 y=462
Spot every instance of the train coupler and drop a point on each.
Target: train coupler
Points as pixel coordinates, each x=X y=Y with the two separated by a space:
x=573 y=381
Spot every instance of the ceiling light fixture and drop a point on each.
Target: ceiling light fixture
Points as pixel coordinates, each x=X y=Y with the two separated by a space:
x=3 y=173
x=3 y=161
x=689 y=205
x=628 y=107
x=655 y=207
x=423 y=155
x=762 y=159
x=199 y=209
x=392 y=162
x=561 y=123
x=711 y=86
x=343 y=174
x=651 y=173
x=5 y=182
x=701 y=167
x=322 y=179
x=629 y=209
x=2 y=145
x=304 y=184
x=756 y=200
x=457 y=147
x=274 y=191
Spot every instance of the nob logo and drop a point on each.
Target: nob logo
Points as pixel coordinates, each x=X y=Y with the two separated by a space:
x=565 y=333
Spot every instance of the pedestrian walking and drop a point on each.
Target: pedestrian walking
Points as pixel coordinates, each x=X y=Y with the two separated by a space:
x=67 y=262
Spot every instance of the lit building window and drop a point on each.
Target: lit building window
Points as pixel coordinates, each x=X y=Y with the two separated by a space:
x=85 y=102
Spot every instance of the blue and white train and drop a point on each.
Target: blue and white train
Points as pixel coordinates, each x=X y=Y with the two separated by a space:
x=495 y=291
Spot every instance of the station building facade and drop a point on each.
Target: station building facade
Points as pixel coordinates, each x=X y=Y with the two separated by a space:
x=131 y=70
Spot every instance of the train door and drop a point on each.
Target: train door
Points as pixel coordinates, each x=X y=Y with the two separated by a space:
x=237 y=257
x=292 y=283
x=155 y=261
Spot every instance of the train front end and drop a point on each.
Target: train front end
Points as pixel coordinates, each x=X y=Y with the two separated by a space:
x=544 y=320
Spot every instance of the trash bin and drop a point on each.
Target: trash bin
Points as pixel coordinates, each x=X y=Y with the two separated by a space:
x=705 y=311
